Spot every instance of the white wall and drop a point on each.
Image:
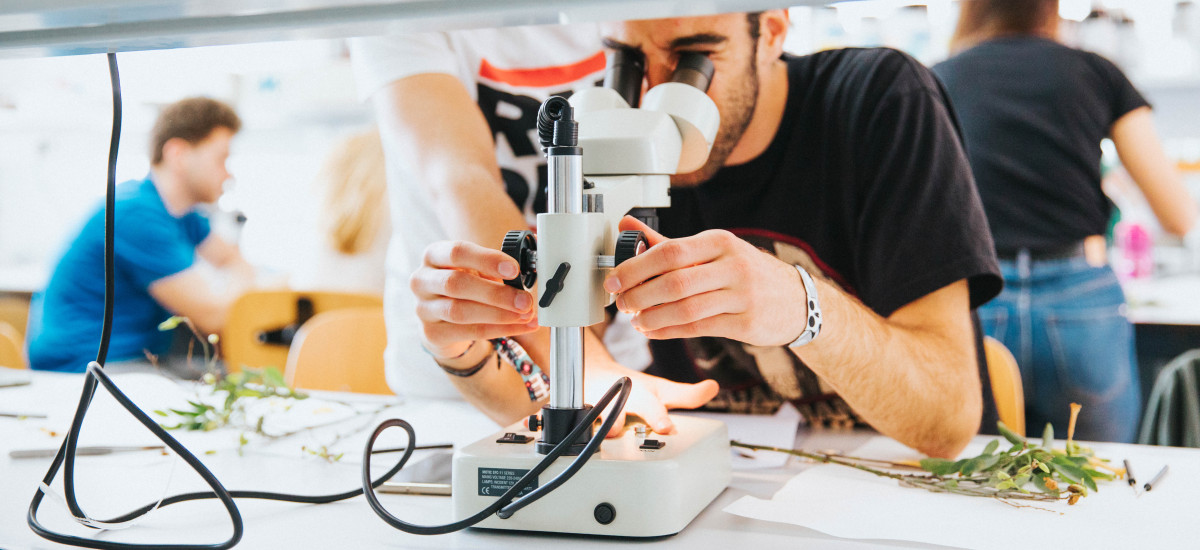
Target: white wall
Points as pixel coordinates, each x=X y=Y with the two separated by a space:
x=295 y=99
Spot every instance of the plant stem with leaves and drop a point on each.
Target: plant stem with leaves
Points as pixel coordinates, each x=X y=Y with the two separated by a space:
x=1005 y=475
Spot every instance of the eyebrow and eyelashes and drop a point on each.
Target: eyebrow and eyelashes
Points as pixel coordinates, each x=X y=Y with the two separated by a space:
x=700 y=39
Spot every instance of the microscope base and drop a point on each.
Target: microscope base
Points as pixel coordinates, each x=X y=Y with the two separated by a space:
x=624 y=490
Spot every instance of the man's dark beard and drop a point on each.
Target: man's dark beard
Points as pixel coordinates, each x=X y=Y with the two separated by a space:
x=733 y=125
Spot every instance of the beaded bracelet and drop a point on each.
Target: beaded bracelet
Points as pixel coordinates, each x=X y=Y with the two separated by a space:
x=536 y=381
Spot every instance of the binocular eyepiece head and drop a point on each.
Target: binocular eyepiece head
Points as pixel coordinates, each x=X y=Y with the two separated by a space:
x=627 y=67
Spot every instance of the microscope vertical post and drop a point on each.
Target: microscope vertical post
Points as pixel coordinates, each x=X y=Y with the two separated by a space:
x=565 y=196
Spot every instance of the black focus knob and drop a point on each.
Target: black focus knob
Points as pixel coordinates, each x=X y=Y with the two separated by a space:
x=555 y=285
x=522 y=247
x=629 y=244
x=535 y=422
x=604 y=513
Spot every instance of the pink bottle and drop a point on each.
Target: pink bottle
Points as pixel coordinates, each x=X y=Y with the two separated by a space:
x=1136 y=258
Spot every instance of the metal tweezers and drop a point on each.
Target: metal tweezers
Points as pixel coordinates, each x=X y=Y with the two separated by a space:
x=80 y=451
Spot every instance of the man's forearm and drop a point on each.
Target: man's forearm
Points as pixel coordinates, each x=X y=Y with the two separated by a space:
x=496 y=390
x=911 y=377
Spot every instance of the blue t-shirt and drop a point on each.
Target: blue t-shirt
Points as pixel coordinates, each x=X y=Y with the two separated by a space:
x=65 y=320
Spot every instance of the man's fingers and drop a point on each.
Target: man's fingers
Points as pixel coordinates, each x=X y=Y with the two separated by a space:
x=665 y=257
x=629 y=223
x=677 y=395
x=464 y=285
x=618 y=427
x=467 y=255
x=684 y=312
x=674 y=287
x=465 y=312
x=442 y=333
x=655 y=415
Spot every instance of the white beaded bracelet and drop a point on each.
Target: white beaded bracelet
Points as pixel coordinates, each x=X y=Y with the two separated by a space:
x=812 y=327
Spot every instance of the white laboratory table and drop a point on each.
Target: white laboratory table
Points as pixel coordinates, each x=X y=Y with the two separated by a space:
x=1171 y=300
x=105 y=481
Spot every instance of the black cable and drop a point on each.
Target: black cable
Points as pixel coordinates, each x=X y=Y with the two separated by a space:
x=95 y=376
x=503 y=502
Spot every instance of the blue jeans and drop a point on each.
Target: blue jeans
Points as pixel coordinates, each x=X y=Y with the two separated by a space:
x=1065 y=322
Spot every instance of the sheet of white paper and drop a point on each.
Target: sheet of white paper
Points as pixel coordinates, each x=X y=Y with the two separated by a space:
x=342 y=423
x=848 y=503
x=778 y=430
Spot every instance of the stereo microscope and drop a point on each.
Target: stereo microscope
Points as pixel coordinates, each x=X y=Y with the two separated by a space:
x=606 y=158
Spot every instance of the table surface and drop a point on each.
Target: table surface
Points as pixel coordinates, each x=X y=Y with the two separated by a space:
x=1170 y=300
x=347 y=524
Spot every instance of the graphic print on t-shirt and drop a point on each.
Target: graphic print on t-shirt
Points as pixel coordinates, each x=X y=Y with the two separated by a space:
x=512 y=117
x=758 y=379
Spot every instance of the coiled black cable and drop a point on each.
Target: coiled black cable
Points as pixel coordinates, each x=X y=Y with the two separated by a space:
x=504 y=504
x=95 y=376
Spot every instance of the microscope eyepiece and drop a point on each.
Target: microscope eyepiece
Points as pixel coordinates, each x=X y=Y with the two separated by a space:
x=556 y=123
x=626 y=68
x=695 y=69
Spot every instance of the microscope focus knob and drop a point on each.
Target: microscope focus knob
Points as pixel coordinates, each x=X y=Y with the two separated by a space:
x=535 y=423
x=629 y=244
x=522 y=247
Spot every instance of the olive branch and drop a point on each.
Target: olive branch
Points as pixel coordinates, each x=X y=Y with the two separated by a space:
x=240 y=389
x=1025 y=471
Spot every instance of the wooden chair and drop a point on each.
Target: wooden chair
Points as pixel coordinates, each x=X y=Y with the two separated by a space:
x=262 y=323
x=14 y=310
x=12 y=347
x=340 y=350
x=1007 y=389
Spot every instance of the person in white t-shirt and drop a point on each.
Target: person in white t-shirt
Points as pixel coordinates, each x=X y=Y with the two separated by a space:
x=457 y=115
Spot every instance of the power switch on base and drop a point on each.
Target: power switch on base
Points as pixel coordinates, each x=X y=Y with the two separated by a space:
x=604 y=513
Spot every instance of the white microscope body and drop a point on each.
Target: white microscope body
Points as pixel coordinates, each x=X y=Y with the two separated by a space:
x=641 y=484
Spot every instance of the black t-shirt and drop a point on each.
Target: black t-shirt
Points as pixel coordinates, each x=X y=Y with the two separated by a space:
x=1033 y=113
x=865 y=184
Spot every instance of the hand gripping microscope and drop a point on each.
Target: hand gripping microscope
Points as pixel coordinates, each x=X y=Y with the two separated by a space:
x=606 y=158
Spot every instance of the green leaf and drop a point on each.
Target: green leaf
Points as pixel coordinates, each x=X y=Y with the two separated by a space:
x=987 y=462
x=272 y=377
x=1089 y=482
x=1039 y=481
x=991 y=447
x=972 y=466
x=1048 y=436
x=939 y=466
x=161 y=412
x=1020 y=482
x=170 y=323
x=1010 y=435
x=1068 y=469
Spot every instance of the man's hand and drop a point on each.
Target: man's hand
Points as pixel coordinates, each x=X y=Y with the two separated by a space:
x=650 y=397
x=711 y=284
x=461 y=297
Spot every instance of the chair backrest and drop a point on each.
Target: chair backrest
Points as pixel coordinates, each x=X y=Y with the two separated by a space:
x=340 y=350
x=259 y=312
x=1007 y=389
x=14 y=310
x=1172 y=414
x=12 y=348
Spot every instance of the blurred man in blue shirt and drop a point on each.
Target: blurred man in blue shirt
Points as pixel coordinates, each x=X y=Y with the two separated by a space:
x=158 y=233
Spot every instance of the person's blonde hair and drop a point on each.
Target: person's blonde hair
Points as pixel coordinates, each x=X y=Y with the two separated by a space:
x=982 y=20
x=354 y=202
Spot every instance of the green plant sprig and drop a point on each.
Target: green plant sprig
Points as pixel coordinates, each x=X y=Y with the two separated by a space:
x=238 y=387
x=1022 y=472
